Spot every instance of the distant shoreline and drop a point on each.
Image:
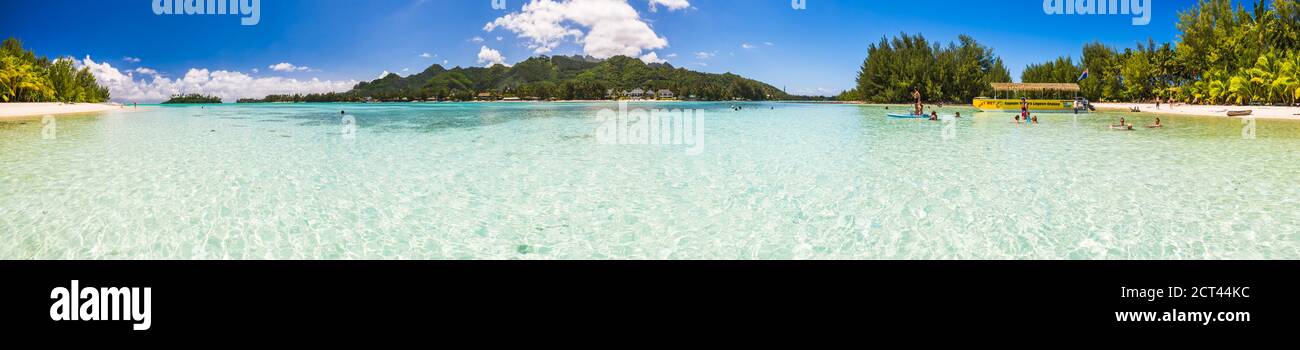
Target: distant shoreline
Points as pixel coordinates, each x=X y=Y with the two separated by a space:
x=23 y=110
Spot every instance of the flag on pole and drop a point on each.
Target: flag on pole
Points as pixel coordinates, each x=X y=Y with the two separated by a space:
x=1084 y=76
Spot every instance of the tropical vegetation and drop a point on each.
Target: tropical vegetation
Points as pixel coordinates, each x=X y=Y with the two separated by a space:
x=957 y=72
x=27 y=78
x=549 y=78
x=1225 y=55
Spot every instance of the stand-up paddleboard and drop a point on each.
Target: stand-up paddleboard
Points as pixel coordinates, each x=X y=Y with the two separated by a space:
x=909 y=116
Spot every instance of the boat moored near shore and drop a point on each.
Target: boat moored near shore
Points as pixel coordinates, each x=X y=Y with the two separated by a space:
x=1075 y=105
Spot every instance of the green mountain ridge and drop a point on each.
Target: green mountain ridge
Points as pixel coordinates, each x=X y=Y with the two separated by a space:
x=550 y=78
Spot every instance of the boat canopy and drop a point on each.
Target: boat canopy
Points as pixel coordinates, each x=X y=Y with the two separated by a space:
x=1039 y=87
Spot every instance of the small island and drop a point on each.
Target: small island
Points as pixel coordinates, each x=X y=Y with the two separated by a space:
x=193 y=99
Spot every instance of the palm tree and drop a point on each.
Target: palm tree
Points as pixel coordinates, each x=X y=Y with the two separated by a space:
x=22 y=82
x=1287 y=80
x=1262 y=76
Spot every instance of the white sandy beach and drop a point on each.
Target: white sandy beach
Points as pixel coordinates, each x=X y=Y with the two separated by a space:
x=27 y=110
x=1269 y=112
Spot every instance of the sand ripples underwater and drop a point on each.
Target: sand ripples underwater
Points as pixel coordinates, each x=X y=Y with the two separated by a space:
x=519 y=181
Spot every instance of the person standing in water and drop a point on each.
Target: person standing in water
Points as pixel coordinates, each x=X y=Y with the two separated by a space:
x=916 y=94
x=1024 y=108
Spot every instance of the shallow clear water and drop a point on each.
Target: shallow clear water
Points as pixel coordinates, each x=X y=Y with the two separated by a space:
x=532 y=181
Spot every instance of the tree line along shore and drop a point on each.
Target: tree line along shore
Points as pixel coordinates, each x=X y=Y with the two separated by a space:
x=24 y=77
x=1224 y=54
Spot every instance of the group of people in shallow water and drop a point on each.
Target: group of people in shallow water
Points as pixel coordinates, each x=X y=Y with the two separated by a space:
x=1125 y=125
x=1030 y=119
x=918 y=109
x=1024 y=116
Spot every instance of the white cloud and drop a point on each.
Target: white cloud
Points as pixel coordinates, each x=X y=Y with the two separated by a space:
x=768 y=43
x=406 y=70
x=652 y=57
x=613 y=27
x=671 y=55
x=747 y=46
x=146 y=71
x=705 y=55
x=426 y=55
x=500 y=38
x=228 y=85
x=131 y=59
x=382 y=75
x=288 y=67
x=672 y=5
x=476 y=39
x=255 y=70
x=489 y=57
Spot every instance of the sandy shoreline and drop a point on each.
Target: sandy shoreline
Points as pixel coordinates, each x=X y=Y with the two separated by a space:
x=1268 y=112
x=29 y=110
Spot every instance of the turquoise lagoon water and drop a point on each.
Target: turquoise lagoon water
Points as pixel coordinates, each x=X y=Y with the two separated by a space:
x=533 y=181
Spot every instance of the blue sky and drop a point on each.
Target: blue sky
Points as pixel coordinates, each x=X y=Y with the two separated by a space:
x=816 y=50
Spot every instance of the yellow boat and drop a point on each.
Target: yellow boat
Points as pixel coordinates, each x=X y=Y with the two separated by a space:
x=1036 y=105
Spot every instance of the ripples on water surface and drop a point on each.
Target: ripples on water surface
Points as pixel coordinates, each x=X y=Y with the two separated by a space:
x=521 y=181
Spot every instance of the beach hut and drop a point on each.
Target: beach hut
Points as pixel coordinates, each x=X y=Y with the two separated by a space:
x=484 y=96
x=637 y=93
x=665 y=94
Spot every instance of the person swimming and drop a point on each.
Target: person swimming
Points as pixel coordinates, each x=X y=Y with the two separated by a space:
x=1035 y=118
x=934 y=115
x=1156 y=125
x=1123 y=125
x=1017 y=119
x=958 y=115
